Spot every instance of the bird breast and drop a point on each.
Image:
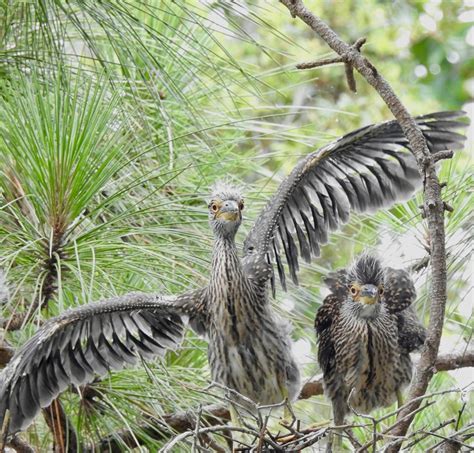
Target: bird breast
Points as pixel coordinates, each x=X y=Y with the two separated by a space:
x=249 y=346
x=367 y=355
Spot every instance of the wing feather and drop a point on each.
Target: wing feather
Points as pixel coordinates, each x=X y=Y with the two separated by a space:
x=365 y=170
x=89 y=341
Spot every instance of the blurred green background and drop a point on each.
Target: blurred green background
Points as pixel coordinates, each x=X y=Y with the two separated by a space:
x=117 y=118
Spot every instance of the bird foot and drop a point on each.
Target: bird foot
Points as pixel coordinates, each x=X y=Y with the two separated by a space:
x=288 y=418
x=286 y=421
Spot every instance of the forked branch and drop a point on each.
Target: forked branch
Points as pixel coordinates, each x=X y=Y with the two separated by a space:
x=434 y=206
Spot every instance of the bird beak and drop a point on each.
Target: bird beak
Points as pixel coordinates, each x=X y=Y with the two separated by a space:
x=229 y=211
x=369 y=294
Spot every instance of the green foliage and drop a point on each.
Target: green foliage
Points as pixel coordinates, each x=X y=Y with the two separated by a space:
x=115 y=120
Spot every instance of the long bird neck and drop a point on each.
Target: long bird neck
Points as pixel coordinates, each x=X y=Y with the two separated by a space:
x=226 y=266
x=226 y=285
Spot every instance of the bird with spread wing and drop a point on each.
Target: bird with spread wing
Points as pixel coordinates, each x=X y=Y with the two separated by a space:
x=249 y=346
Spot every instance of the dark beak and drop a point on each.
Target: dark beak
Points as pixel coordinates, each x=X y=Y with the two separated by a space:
x=369 y=294
x=229 y=211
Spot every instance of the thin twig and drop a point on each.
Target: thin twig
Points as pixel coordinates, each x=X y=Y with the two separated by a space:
x=425 y=435
x=215 y=414
x=198 y=422
x=386 y=432
x=319 y=63
x=372 y=419
x=212 y=429
x=455 y=435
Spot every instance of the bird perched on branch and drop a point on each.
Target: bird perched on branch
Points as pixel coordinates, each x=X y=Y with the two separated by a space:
x=249 y=346
x=366 y=329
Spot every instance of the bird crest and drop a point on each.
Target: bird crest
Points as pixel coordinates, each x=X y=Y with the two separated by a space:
x=366 y=269
x=226 y=190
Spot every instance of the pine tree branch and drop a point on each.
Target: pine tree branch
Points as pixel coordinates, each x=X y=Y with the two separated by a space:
x=433 y=204
x=65 y=438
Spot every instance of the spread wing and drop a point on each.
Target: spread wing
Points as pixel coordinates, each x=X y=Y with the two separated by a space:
x=91 y=340
x=325 y=316
x=365 y=170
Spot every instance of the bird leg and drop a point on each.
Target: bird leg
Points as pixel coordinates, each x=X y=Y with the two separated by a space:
x=234 y=417
x=236 y=421
x=399 y=398
x=340 y=408
x=289 y=417
x=288 y=414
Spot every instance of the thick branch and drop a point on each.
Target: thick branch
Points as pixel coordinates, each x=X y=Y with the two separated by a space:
x=14 y=322
x=453 y=361
x=183 y=421
x=158 y=429
x=434 y=206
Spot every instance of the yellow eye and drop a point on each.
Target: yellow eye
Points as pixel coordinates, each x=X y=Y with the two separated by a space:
x=241 y=205
x=354 y=290
x=214 y=207
x=381 y=290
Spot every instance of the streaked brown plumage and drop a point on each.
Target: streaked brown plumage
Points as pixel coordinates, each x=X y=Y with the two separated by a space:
x=249 y=346
x=365 y=343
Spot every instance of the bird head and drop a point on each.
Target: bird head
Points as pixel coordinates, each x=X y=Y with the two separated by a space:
x=366 y=281
x=225 y=210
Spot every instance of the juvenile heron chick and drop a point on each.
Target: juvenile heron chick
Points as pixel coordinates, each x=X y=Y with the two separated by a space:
x=366 y=330
x=249 y=346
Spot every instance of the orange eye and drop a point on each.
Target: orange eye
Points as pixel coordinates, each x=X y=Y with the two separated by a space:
x=241 y=205
x=353 y=290
x=381 y=290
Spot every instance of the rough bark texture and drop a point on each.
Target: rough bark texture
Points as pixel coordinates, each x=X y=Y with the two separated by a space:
x=433 y=203
x=455 y=360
